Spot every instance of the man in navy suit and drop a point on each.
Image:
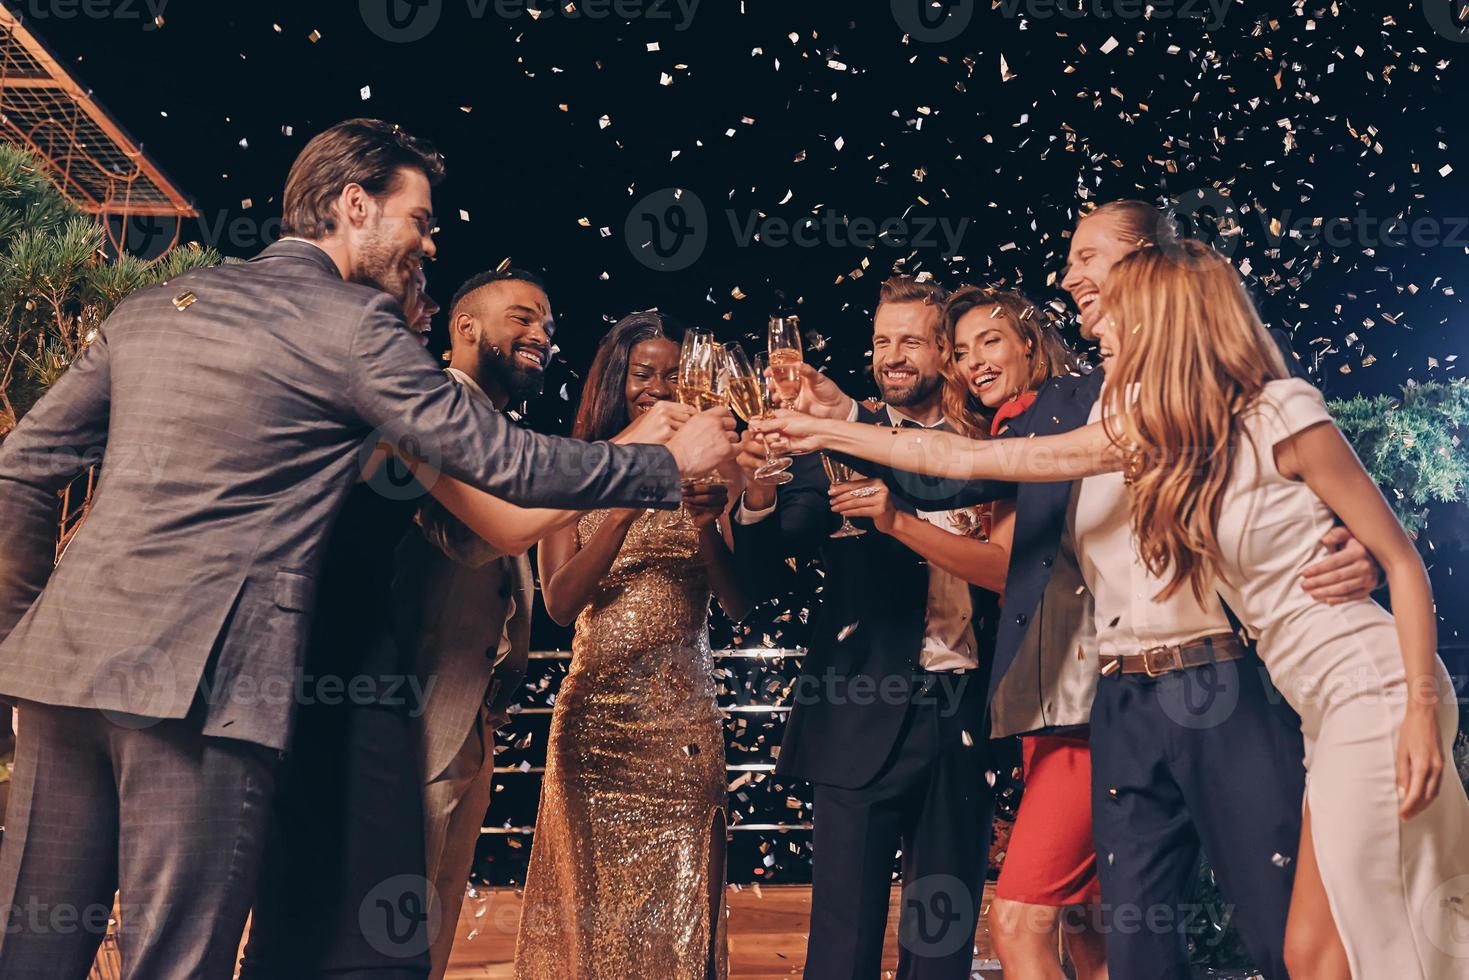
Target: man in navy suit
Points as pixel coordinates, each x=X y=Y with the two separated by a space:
x=1186 y=753
x=888 y=721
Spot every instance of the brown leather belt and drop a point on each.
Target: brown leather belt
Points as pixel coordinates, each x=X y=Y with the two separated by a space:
x=1154 y=661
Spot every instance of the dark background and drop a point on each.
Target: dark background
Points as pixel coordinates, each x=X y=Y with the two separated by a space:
x=560 y=137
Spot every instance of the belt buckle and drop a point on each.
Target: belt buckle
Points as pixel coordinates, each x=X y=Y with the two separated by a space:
x=1148 y=661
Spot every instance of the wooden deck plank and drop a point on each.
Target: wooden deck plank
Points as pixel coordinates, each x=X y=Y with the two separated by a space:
x=767 y=933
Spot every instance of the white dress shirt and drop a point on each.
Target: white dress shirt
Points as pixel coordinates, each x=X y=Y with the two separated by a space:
x=1129 y=617
x=948 y=633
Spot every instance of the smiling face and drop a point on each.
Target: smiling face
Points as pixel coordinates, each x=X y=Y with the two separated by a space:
x=419 y=307
x=906 y=359
x=991 y=357
x=1097 y=244
x=510 y=323
x=652 y=373
x=390 y=234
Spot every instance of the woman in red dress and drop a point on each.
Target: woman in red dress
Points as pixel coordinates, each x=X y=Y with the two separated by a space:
x=1004 y=349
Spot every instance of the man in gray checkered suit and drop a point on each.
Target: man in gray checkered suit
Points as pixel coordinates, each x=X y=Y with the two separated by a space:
x=155 y=666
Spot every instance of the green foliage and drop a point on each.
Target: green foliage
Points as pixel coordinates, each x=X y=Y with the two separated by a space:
x=56 y=283
x=1414 y=446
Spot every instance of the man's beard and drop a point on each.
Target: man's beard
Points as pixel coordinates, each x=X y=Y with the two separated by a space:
x=498 y=367
x=921 y=390
x=378 y=267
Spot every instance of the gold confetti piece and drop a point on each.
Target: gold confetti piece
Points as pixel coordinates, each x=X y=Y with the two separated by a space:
x=184 y=300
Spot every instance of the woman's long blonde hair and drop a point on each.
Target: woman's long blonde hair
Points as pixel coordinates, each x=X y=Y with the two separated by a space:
x=1192 y=356
x=1048 y=354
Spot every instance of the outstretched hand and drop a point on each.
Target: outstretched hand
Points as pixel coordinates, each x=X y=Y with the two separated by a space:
x=704 y=442
x=801 y=433
x=865 y=498
x=820 y=396
x=657 y=425
x=705 y=502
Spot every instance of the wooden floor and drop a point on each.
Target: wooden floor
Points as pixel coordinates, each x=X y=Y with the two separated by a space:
x=767 y=934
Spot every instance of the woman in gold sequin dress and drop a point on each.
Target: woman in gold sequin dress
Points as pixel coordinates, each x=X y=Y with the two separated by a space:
x=626 y=873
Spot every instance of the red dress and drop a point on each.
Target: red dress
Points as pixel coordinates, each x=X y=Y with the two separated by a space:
x=1052 y=859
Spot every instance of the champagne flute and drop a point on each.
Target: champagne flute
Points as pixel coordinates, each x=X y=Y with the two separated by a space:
x=695 y=368
x=748 y=389
x=688 y=390
x=786 y=357
x=697 y=387
x=839 y=473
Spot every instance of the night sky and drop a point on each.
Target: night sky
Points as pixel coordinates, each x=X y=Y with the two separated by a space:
x=629 y=150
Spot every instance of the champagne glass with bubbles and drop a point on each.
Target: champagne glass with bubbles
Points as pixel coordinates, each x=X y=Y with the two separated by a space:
x=748 y=389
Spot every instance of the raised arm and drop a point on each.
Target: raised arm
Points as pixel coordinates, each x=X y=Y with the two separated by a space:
x=485 y=520
x=978 y=562
x=57 y=441
x=1321 y=457
x=395 y=388
x=1083 y=452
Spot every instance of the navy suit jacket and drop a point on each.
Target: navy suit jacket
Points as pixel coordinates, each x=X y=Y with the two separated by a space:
x=857 y=677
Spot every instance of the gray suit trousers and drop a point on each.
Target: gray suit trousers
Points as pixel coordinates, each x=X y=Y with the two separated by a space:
x=454 y=805
x=194 y=812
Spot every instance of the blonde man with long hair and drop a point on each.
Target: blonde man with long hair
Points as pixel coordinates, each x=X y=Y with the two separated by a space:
x=1234 y=473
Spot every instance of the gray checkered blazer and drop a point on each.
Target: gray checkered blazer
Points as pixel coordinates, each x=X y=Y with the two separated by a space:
x=232 y=427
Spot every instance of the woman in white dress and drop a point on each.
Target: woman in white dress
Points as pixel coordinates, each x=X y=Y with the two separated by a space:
x=1234 y=474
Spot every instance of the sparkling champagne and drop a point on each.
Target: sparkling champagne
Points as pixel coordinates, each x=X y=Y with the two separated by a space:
x=785 y=368
x=694 y=385
x=746 y=397
x=837 y=472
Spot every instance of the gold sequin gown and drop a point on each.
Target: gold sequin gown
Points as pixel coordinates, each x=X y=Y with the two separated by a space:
x=632 y=803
